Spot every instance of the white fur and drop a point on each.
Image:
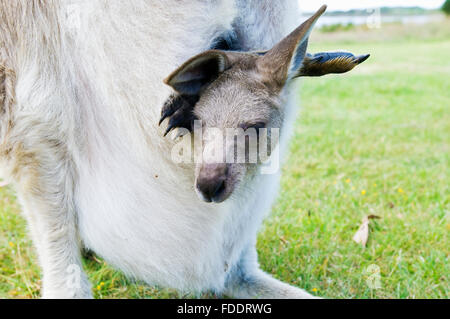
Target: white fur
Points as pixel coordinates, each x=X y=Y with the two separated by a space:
x=98 y=90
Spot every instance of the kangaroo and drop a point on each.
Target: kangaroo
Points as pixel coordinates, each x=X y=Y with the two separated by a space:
x=80 y=104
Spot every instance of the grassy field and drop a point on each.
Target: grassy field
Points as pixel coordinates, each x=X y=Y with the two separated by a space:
x=375 y=141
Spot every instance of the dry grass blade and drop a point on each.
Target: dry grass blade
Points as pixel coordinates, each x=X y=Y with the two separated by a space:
x=362 y=235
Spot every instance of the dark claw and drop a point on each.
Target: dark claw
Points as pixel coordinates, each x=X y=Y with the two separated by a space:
x=181 y=118
x=174 y=102
x=180 y=110
x=360 y=59
x=164 y=115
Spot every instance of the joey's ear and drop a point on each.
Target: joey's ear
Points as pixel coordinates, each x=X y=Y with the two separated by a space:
x=199 y=71
x=329 y=62
x=283 y=61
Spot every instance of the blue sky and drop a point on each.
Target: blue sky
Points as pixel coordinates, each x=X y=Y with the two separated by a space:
x=308 y=5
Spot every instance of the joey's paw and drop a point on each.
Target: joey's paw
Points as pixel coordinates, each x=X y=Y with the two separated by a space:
x=179 y=108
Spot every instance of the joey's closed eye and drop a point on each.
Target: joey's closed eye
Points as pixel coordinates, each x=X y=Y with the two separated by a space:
x=255 y=125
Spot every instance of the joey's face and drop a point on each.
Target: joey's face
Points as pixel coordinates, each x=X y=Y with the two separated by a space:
x=231 y=101
x=237 y=114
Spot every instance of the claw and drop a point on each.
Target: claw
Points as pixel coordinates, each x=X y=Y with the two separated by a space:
x=360 y=59
x=174 y=102
x=164 y=115
x=180 y=110
x=179 y=120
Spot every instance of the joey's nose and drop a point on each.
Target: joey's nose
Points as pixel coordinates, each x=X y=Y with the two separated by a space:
x=211 y=182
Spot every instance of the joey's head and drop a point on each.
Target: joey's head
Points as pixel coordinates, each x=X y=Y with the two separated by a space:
x=236 y=98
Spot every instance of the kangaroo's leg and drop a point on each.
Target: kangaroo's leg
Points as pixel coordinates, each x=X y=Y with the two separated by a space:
x=43 y=172
x=248 y=281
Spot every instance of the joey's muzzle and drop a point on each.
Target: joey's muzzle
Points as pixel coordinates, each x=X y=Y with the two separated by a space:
x=211 y=182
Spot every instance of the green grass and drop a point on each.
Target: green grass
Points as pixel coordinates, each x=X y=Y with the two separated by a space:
x=375 y=141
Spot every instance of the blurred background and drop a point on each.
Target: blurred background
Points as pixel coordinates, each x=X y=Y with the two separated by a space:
x=371 y=148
